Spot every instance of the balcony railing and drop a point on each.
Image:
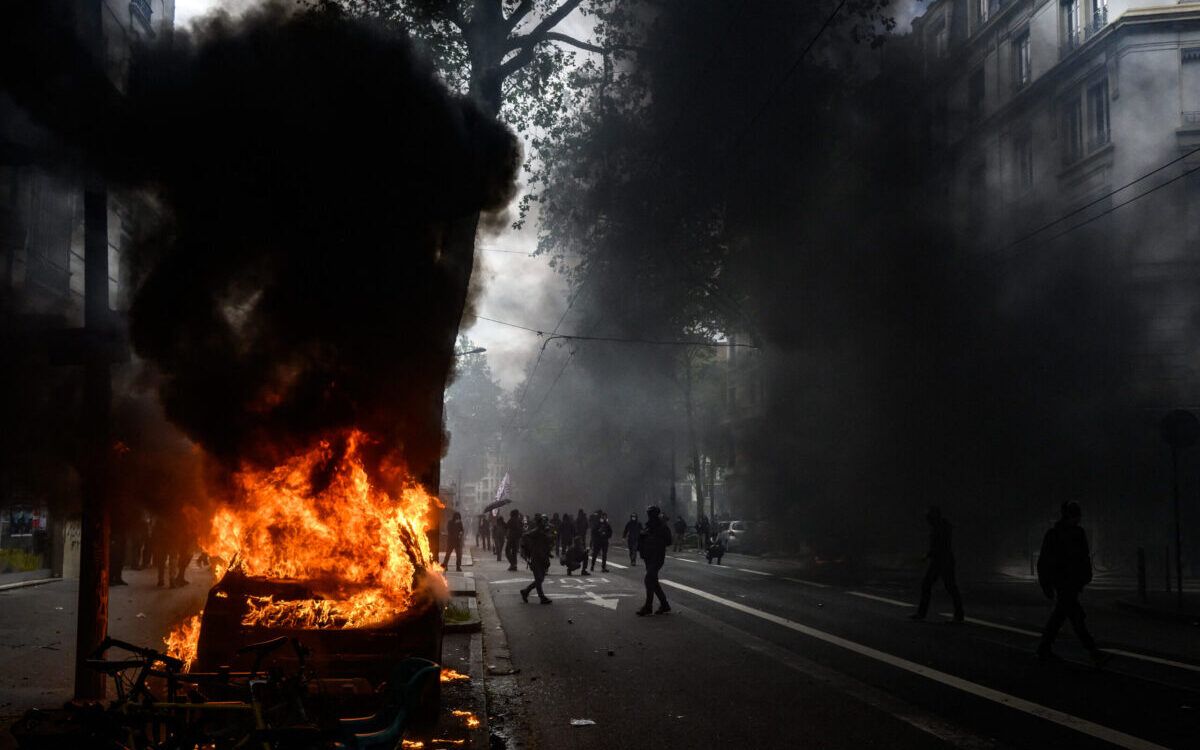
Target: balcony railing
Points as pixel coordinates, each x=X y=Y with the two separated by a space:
x=1077 y=37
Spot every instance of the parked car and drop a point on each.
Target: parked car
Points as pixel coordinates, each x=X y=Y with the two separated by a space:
x=739 y=536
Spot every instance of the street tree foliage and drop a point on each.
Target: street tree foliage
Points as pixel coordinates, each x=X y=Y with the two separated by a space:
x=637 y=208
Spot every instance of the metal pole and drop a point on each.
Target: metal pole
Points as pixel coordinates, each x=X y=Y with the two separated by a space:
x=1178 y=536
x=92 y=610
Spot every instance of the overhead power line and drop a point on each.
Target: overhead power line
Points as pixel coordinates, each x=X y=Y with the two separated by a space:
x=1102 y=198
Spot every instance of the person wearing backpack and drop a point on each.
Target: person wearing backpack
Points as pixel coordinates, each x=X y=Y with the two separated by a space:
x=652 y=545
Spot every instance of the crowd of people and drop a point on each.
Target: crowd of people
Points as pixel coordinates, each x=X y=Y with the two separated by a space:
x=578 y=541
x=163 y=542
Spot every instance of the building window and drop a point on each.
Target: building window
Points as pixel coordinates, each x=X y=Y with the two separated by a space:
x=1189 y=80
x=1072 y=130
x=1099 y=15
x=1022 y=67
x=975 y=93
x=1072 y=24
x=981 y=12
x=939 y=37
x=1023 y=159
x=1097 y=103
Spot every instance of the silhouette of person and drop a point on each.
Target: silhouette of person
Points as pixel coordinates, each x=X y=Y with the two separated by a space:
x=481 y=532
x=535 y=549
x=515 y=528
x=652 y=545
x=553 y=528
x=498 y=534
x=566 y=534
x=600 y=536
x=941 y=565
x=581 y=526
x=1064 y=568
x=454 y=542
x=633 y=530
x=680 y=530
x=703 y=529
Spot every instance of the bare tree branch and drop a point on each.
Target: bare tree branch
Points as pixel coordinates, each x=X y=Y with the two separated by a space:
x=549 y=22
x=518 y=14
x=555 y=36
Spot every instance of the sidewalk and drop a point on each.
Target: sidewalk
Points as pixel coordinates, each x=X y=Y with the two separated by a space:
x=37 y=634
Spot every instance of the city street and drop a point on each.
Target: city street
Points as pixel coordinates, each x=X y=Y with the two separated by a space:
x=755 y=654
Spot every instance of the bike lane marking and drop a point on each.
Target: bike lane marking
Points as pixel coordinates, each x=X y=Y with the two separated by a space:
x=755 y=572
x=883 y=599
x=1117 y=651
x=807 y=583
x=1083 y=726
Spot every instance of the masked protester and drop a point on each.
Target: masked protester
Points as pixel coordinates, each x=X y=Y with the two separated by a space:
x=652 y=545
x=536 y=545
x=633 y=530
x=581 y=526
x=1064 y=568
x=454 y=542
x=600 y=536
x=941 y=565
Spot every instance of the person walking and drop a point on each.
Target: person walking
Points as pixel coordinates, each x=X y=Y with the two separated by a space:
x=1064 y=568
x=498 y=533
x=454 y=542
x=653 y=544
x=600 y=536
x=514 y=529
x=535 y=549
x=941 y=565
x=703 y=529
x=680 y=531
x=481 y=534
x=633 y=530
x=566 y=534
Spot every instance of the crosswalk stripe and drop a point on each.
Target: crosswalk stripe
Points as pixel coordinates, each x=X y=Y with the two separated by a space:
x=883 y=599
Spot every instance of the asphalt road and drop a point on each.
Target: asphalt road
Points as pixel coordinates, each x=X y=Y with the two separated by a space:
x=759 y=654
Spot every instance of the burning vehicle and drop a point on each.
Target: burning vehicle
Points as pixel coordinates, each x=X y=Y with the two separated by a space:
x=316 y=550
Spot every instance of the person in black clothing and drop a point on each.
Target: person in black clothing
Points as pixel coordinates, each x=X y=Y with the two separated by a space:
x=653 y=544
x=941 y=565
x=566 y=534
x=514 y=529
x=633 y=530
x=535 y=549
x=1064 y=568
x=600 y=536
x=454 y=542
x=581 y=526
x=482 y=533
x=498 y=534
x=703 y=529
x=680 y=531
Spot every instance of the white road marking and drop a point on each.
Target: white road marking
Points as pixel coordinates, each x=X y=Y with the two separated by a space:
x=755 y=572
x=599 y=601
x=1061 y=718
x=807 y=583
x=618 y=566
x=883 y=599
x=512 y=580
x=684 y=559
x=1119 y=652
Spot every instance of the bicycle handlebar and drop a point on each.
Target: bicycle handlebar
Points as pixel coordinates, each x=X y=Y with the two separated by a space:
x=172 y=664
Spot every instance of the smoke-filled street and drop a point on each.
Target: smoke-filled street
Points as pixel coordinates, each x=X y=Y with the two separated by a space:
x=500 y=374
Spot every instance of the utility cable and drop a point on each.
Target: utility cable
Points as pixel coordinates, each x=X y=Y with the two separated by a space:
x=1088 y=205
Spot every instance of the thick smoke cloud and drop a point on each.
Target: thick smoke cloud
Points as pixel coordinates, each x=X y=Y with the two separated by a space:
x=306 y=167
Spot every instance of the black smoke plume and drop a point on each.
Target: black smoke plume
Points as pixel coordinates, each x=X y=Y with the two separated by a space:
x=305 y=166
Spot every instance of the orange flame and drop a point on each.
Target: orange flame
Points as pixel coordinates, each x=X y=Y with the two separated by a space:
x=181 y=643
x=450 y=675
x=468 y=717
x=358 y=546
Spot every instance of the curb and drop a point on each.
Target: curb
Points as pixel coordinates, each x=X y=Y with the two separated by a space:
x=24 y=584
x=472 y=624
